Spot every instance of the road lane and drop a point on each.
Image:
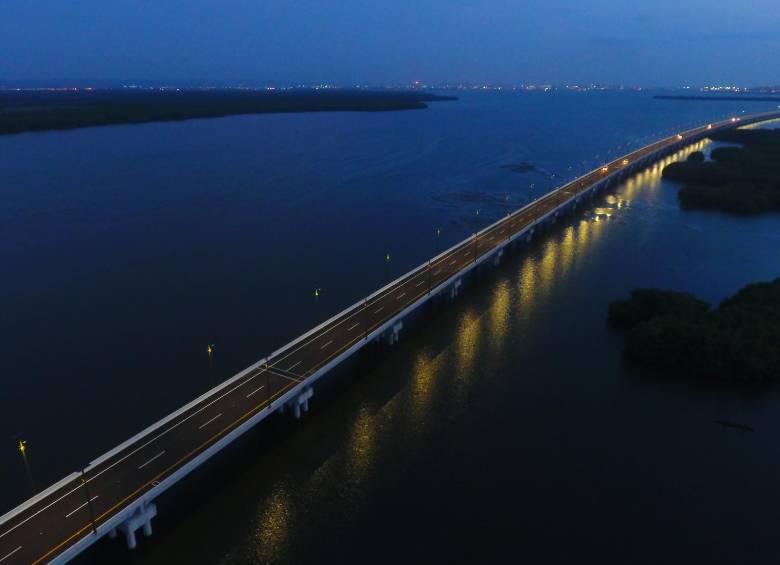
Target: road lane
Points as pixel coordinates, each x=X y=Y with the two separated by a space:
x=51 y=524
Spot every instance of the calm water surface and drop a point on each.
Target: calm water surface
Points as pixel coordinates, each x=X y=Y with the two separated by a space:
x=505 y=426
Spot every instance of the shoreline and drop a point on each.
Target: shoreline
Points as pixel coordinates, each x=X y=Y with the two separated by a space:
x=23 y=112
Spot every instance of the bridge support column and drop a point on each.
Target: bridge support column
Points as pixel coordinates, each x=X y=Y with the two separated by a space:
x=301 y=401
x=455 y=288
x=141 y=517
x=393 y=335
x=497 y=257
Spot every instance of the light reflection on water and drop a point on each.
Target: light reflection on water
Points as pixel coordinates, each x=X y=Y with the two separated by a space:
x=273 y=527
x=362 y=445
x=441 y=382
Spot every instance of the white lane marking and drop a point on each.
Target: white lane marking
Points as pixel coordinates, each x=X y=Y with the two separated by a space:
x=152 y=459
x=291 y=367
x=465 y=254
x=10 y=554
x=379 y=310
x=400 y=296
x=219 y=398
x=437 y=272
x=353 y=326
x=326 y=345
x=203 y=425
x=418 y=284
x=254 y=391
x=453 y=261
x=336 y=324
x=72 y=512
x=118 y=461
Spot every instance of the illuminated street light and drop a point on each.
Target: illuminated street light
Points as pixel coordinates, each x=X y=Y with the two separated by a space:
x=22 y=445
x=387 y=267
x=317 y=292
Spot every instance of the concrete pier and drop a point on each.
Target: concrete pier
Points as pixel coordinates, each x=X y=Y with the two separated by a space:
x=140 y=518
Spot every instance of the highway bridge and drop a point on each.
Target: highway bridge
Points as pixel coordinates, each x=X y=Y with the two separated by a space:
x=115 y=493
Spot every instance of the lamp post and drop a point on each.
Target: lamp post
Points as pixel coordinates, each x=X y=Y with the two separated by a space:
x=387 y=267
x=317 y=292
x=476 y=229
x=23 y=451
x=267 y=384
x=85 y=484
x=365 y=316
x=210 y=352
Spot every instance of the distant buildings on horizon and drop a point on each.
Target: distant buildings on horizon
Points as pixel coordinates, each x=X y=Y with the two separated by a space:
x=79 y=85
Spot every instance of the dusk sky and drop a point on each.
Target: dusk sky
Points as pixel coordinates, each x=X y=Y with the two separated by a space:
x=643 y=42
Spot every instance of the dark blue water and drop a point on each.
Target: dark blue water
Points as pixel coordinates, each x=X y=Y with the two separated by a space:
x=506 y=426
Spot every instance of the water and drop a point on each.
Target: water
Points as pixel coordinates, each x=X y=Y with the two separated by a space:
x=507 y=425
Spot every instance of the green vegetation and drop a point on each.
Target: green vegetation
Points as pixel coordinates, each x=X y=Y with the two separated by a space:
x=743 y=180
x=739 y=339
x=49 y=110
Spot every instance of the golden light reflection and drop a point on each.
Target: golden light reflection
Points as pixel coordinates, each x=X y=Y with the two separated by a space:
x=499 y=315
x=425 y=374
x=547 y=266
x=362 y=444
x=527 y=287
x=566 y=251
x=467 y=344
x=273 y=528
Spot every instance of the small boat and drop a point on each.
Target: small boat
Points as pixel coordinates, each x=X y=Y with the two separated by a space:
x=735 y=425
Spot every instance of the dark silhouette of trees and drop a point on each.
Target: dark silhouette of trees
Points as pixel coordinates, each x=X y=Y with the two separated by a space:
x=739 y=339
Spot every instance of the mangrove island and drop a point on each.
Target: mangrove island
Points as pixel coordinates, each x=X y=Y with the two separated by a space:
x=40 y=110
x=742 y=180
x=738 y=340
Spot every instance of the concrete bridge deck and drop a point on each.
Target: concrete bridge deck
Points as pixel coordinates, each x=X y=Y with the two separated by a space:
x=115 y=492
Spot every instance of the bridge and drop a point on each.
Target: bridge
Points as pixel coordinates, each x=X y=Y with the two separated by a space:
x=115 y=493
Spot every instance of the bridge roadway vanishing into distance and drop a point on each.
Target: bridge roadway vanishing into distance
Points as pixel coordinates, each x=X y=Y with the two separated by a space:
x=115 y=492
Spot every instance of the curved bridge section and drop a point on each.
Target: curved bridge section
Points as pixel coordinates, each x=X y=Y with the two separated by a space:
x=115 y=492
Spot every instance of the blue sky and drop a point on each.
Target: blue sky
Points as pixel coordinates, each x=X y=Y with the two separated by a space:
x=659 y=42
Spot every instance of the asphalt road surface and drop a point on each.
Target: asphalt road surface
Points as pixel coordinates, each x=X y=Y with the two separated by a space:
x=48 y=527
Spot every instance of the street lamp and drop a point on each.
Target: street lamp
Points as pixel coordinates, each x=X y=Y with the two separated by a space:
x=387 y=267
x=23 y=452
x=317 y=292
x=89 y=502
x=476 y=229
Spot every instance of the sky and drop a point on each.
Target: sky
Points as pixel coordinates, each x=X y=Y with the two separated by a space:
x=632 y=42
